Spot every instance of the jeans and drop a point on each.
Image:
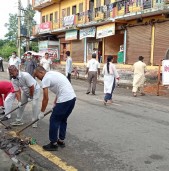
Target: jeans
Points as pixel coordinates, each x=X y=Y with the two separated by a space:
x=108 y=96
x=58 y=120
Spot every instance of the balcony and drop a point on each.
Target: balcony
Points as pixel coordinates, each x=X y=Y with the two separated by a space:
x=39 y=4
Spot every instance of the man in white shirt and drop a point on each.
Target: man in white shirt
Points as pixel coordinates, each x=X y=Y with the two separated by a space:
x=31 y=93
x=93 y=70
x=46 y=62
x=139 y=69
x=63 y=105
x=14 y=60
x=68 y=68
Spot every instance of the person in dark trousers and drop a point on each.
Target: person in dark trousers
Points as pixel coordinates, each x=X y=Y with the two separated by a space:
x=68 y=69
x=1 y=64
x=92 y=72
x=63 y=105
x=30 y=64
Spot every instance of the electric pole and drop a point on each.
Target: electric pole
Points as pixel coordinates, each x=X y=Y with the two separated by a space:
x=19 y=28
x=28 y=27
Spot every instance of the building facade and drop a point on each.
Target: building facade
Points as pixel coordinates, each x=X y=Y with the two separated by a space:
x=125 y=29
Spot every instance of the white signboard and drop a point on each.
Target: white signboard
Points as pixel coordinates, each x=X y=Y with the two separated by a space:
x=87 y=32
x=105 y=30
x=69 y=20
x=165 y=72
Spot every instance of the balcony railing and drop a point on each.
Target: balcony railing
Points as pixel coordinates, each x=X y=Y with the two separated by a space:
x=97 y=16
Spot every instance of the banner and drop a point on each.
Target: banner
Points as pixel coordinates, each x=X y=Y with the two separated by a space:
x=105 y=30
x=69 y=20
x=87 y=32
x=45 y=27
x=71 y=35
x=165 y=72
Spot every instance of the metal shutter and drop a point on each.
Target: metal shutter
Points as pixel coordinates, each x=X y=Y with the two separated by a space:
x=161 y=41
x=138 y=43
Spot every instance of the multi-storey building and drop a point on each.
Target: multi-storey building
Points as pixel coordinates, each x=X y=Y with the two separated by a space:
x=85 y=26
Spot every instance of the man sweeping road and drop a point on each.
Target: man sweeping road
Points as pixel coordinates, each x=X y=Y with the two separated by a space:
x=31 y=93
x=63 y=105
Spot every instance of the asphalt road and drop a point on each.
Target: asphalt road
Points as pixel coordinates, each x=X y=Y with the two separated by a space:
x=132 y=134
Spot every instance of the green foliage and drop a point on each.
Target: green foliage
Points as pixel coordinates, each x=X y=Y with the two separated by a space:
x=34 y=46
x=7 y=49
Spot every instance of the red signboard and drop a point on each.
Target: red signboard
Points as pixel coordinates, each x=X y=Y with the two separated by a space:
x=45 y=27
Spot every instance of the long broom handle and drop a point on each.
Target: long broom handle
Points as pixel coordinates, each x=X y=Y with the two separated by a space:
x=14 y=109
x=17 y=133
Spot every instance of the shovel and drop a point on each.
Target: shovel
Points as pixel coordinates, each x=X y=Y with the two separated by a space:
x=17 y=133
x=13 y=110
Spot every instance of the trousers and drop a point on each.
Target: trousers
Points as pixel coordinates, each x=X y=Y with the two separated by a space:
x=35 y=104
x=58 y=120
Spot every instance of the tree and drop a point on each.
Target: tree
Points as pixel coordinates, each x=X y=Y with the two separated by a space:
x=12 y=28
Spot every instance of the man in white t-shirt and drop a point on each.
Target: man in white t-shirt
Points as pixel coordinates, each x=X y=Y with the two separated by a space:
x=14 y=60
x=31 y=93
x=63 y=105
x=46 y=62
x=93 y=70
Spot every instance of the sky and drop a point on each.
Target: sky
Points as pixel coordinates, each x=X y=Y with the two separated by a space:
x=11 y=6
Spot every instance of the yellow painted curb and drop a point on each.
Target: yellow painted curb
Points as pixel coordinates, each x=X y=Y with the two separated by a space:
x=53 y=158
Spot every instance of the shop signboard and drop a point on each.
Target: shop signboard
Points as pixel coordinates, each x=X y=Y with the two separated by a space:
x=87 y=32
x=105 y=30
x=165 y=72
x=43 y=45
x=44 y=27
x=68 y=20
x=71 y=35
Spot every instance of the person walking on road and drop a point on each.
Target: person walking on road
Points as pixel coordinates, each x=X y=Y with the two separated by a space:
x=46 y=62
x=68 y=68
x=30 y=64
x=63 y=105
x=93 y=71
x=7 y=97
x=1 y=64
x=31 y=93
x=110 y=75
x=139 y=69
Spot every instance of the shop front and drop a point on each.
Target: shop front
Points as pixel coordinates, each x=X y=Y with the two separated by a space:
x=138 y=43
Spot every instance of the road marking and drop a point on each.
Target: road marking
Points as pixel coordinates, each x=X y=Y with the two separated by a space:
x=53 y=158
x=101 y=100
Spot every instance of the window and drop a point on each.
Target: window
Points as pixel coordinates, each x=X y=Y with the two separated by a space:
x=80 y=11
x=51 y=17
x=74 y=10
x=138 y=3
x=56 y=16
x=63 y=13
x=46 y=18
x=106 y=2
x=98 y=3
x=43 y=19
x=68 y=11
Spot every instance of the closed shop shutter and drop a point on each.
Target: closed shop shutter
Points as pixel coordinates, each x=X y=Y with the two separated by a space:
x=138 y=43
x=77 y=50
x=161 y=43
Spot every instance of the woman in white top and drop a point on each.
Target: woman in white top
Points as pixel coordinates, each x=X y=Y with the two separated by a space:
x=110 y=76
